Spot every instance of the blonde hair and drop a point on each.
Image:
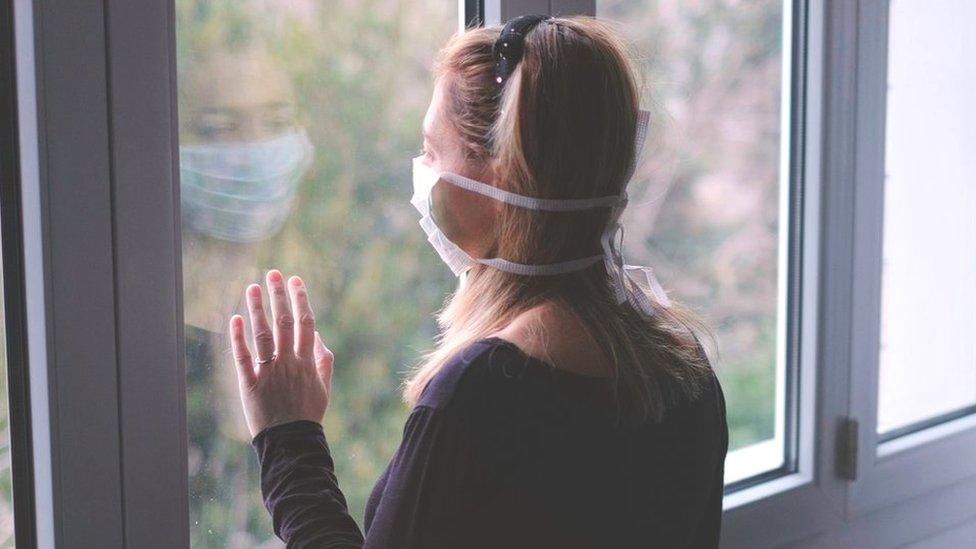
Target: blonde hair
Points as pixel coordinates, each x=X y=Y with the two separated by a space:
x=563 y=127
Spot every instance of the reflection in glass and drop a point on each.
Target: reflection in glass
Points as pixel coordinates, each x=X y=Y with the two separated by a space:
x=298 y=120
x=706 y=204
x=927 y=356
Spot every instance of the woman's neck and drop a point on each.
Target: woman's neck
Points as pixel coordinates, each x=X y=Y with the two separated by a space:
x=551 y=332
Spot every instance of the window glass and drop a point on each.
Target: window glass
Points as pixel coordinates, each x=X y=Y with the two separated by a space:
x=707 y=206
x=927 y=370
x=298 y=120
x=6 y=478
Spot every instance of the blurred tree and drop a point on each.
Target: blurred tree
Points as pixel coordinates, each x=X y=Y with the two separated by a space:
x=705 y=201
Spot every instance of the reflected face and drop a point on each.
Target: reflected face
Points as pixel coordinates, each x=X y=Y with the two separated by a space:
x=467 y=218
x=237 y=96
x=242 y=155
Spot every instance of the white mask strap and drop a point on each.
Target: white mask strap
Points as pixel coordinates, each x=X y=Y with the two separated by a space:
x=549 y=269
x=643 y=121
x=626 y=289
x=532 y=203
x=557 y=204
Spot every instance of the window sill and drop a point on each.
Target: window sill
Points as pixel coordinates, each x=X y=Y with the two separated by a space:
x=747 y=496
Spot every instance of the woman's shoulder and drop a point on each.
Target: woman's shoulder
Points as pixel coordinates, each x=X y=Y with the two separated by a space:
x=501 y=401
x=495 y=392
x=484 y=369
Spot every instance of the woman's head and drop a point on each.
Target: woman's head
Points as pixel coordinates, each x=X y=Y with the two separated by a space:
x=562 y=125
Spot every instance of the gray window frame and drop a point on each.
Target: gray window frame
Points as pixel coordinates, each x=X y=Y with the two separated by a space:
x=101 y=249
x=14 y=298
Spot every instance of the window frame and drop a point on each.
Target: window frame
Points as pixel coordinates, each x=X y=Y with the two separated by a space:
x=14 y=298
x=102 y=272
x=936 y=455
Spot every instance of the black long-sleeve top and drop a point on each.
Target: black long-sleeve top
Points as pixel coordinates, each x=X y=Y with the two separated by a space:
x=504 y=450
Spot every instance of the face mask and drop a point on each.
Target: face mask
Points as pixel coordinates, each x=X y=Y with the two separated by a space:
x=459 y=261
x=242 y=191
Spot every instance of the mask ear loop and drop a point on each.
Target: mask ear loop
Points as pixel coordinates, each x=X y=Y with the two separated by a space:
x=619 y=273
x=652 y=283
x=612 y=257
x=618 y=270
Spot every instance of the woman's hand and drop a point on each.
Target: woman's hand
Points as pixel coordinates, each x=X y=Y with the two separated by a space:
x=289 y=376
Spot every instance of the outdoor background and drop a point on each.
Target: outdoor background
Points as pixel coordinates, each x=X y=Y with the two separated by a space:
x=6 y=480
x=355 y=75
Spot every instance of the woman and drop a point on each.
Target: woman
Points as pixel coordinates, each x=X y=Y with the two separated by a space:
x=564 y=406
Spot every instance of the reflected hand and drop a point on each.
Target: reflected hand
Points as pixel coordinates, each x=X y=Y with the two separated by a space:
x=289 y=377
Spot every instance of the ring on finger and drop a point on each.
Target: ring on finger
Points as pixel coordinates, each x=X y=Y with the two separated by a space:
x=262 y=362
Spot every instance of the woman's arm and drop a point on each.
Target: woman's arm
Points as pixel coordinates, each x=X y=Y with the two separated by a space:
x=423 y=494
x=285 y=387
x=301 y=490
x=434 y=480
x=428 y=490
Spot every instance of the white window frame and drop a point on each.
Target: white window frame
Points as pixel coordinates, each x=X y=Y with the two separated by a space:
x=98 y=143
x=936 y=457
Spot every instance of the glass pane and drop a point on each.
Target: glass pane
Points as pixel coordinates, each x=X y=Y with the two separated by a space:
x=6 y=478
x=708 y=204
x=928 y=352
x=298 y=121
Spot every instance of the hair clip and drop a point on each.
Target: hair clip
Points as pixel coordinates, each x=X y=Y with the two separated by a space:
x=510 y=45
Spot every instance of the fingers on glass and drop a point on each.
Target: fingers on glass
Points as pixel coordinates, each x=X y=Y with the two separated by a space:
x=264 y=344
x=242 y=356
x=305 y=318
x=283 y=322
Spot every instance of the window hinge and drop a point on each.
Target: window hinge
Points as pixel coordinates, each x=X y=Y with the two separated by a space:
x=847 y=449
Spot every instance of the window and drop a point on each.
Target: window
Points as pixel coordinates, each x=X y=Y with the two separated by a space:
x=710 y=208
x=928 y=354
x=297 y=124
x=813 y=137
